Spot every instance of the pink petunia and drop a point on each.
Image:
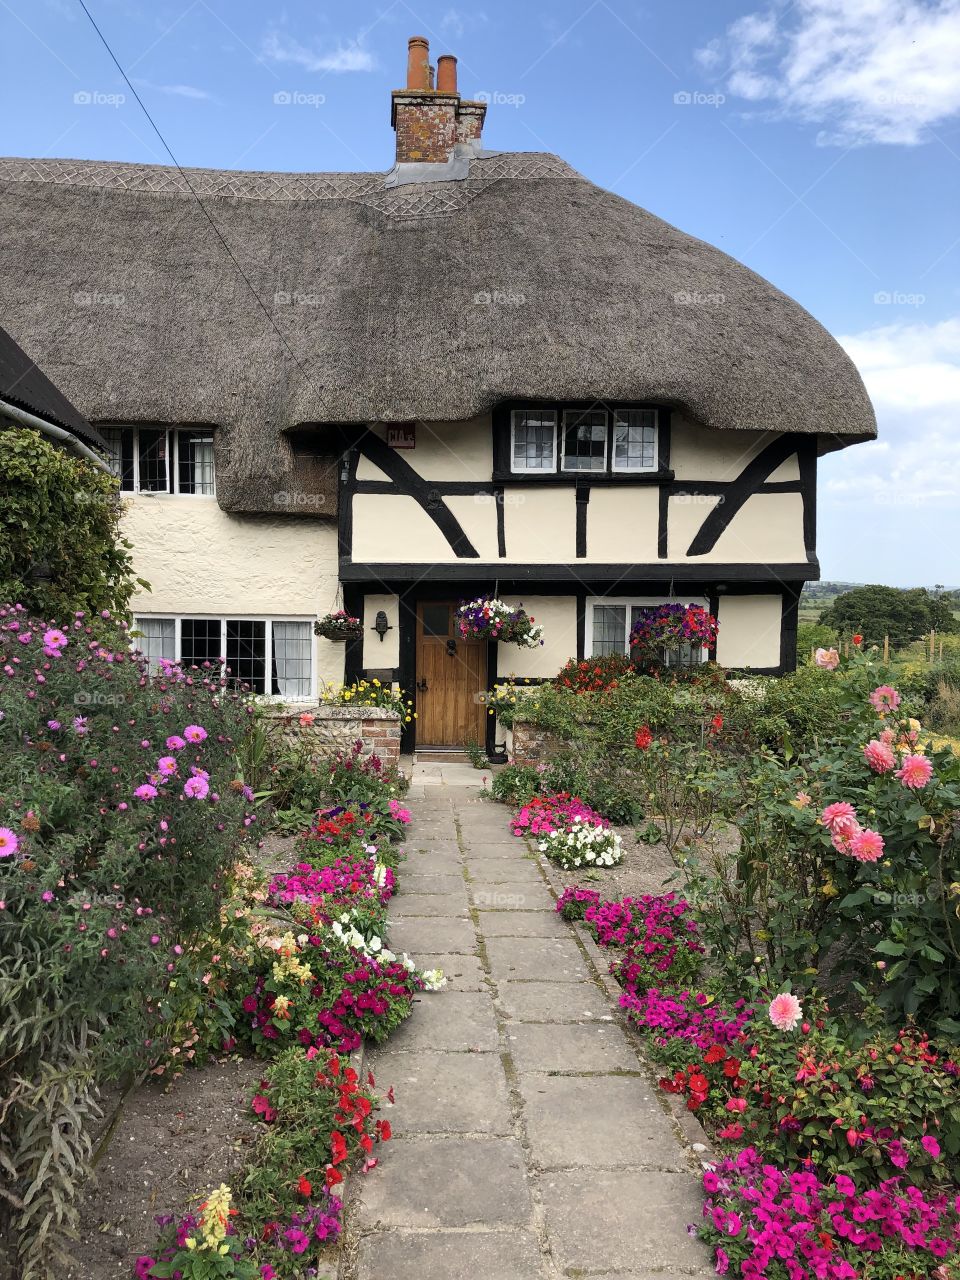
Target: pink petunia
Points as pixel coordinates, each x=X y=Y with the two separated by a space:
x=867 y=846
x=9 y=842
x=931 y=1146
x=196 y=788
x=884 y=699
x=915 y=772
x=879 y=756
x=785 y=1011
x=194 y=733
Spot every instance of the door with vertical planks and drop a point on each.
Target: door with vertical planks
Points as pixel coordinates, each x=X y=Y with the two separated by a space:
x=451 y=675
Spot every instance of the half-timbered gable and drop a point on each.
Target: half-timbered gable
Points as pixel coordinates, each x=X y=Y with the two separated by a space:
x=475 y=373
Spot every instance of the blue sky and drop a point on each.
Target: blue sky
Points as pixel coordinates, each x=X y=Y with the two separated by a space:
x=816 y=140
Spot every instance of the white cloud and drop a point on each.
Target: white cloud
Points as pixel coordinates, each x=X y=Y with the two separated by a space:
x=345 y=57
x=912 y=372
x=177 y=90
x=866 y=70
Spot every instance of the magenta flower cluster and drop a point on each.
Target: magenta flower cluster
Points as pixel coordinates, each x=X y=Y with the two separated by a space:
x=544 y=814
x=685 y=1015
x=340 y=884
x=767 y=1224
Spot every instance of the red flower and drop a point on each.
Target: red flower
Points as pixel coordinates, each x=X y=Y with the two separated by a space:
x=858 y=640
x=716 y=1053
x=333 y=1176
x=384 y=1131
x=338 y=1147
x=304 y=1187
x=643 y=738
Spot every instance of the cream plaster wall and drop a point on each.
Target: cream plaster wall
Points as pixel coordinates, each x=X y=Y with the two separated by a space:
x=444 y=451
x=701 y=453
x=477 y=514
x=377 y=652
x=394 y=527
x=768 y=529
x=540 y=524
x=749 y=631
x=199 y=559
x=622 y=524
x=558 y=614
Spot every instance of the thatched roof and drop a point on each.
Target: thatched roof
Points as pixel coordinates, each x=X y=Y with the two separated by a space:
x=427 y=301
x=25 y=386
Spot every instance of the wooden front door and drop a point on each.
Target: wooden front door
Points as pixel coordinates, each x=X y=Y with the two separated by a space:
x=451 y=673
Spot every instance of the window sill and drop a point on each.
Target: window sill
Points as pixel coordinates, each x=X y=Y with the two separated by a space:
x=583 y=477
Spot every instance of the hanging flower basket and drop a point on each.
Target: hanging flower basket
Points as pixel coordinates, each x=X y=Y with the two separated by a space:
x=494 y=620
x=672 y=635
x=338 y=626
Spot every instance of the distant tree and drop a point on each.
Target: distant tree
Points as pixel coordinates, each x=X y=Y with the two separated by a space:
x=875 y=611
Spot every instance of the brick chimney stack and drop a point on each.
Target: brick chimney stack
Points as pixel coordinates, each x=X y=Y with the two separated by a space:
x=431 y=121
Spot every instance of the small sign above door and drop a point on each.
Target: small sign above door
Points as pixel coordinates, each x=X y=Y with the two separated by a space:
x=402 y=435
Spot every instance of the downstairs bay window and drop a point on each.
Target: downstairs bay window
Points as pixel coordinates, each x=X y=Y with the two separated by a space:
x=611 y=619
x=272 y=656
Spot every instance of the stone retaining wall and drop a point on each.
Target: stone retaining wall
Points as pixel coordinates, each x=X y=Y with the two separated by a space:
x=326 y=729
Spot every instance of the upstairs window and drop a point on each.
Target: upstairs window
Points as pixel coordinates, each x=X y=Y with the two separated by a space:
x=594 y=441
x=162 y=459
x=533 y=444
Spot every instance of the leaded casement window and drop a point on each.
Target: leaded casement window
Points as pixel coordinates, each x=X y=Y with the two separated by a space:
x=611 y=619
x=271 y=656
x=596 y=441
x=162 y=459
x=533 y=440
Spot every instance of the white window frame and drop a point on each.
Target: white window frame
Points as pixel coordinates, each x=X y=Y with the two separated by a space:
x=173 y=461
x=628 y=602
x=634 y=471
x=535 y=471
x=268 y=618
x=584 y=471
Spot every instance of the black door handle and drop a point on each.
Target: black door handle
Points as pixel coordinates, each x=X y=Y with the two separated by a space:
x=422 y=686
x=451 y=648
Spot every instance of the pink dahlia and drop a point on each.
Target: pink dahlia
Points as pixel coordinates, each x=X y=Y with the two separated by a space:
x=867 y=846
x=829 y=659
x=840 y=818
x=785 y=1011
x=879 y=756
x=885 y=699
x=915 y=772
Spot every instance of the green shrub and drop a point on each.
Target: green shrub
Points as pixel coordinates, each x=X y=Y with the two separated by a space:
x=515 y=784
x=60 y=543
x=111 y=873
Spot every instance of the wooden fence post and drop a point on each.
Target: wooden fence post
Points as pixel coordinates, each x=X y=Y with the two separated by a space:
x=886 y=649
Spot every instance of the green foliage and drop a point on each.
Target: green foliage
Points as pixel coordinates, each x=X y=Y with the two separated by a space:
x=107 y=897
x=813 y=635
x=515 y=784
x=875 y=611
x=476 y=754
x=59 y=514
x=790 y=713
x=301 y=783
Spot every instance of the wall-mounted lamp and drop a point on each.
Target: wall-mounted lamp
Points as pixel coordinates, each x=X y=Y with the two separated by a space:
x=381 y=626
x=40 y=572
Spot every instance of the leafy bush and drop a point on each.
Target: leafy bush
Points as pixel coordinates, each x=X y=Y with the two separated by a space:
x=515 y=783
x=60 y=543
x=301 y=784
x=121 y=820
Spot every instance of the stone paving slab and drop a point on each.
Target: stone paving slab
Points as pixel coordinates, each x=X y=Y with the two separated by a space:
x=448 y=1182
x=512 y=897
x=451 y=1021
x=444 y=1092
x=494 y=872
x=463 y=973
x=596 y=1046
x=451 y=904
x=432 y=862
x=416 y=935
x=449 y=1255
x=487 y=851
x=582 y=1121
x=421 y=882
x=554 y=1002
x=549 y=959
x=623 y=1220
x=523 y=924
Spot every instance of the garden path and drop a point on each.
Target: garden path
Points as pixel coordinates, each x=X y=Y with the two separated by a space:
x=530 y=1142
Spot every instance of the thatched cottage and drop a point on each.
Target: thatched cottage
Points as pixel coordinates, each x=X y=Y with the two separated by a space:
x=476 y=373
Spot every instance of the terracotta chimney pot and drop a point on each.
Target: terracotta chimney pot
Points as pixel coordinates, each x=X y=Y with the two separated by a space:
x=447 y=73
x=418 y=64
